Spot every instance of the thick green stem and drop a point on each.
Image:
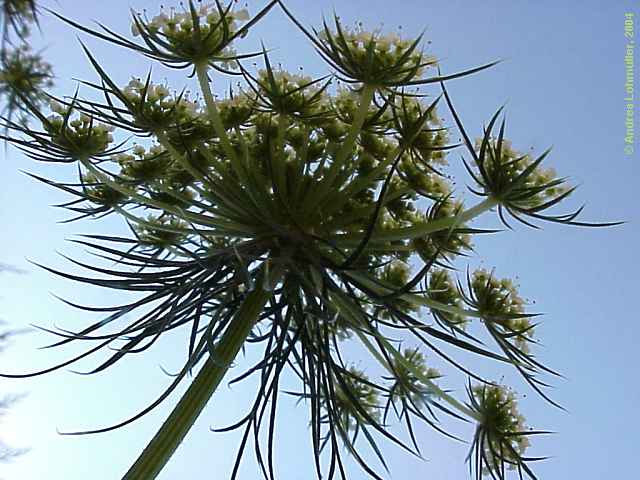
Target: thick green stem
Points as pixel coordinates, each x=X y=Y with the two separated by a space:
x=156 y=455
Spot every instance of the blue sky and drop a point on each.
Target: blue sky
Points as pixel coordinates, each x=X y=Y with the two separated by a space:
x=562 y=83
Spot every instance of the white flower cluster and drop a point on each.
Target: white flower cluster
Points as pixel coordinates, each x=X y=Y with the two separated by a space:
x=98 y=192
x=161 y=232
x=19 y=7
x=236 y=110
x=290 y=93
x=442 y=289
x=178 y=29
x=499 y=298
x=142 y=164
x=174 y=21
x=82 y=135
x=444 y=242
x=160 y=105
x=544 y=176
x=366 y=396
x=501 y=295
x=396 y=273
x=19 y=14
x=347 y=102
x=414 y=108
x=424 y=182
x=285 y=80
x=389 y=50
x=360 y=38
x=25 y=72
x=512 y=163
x=408 y=383
x=135 y=87
x=501 y=420
x=427 y=141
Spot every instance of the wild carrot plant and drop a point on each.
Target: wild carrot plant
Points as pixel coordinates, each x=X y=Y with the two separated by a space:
x=294 y=214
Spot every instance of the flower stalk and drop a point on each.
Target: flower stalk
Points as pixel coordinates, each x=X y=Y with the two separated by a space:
x=212 y=111
x=423 y=229
x=366 y=97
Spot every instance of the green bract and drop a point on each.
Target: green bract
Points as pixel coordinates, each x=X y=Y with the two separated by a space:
x=293 y=214
x=79 y=137
x=197 y=34
x=103 y=197
x=407 y=385
x=161 y=232
x=354 y=402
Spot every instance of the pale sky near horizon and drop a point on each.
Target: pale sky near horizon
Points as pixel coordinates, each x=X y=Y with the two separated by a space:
x=562 y=83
